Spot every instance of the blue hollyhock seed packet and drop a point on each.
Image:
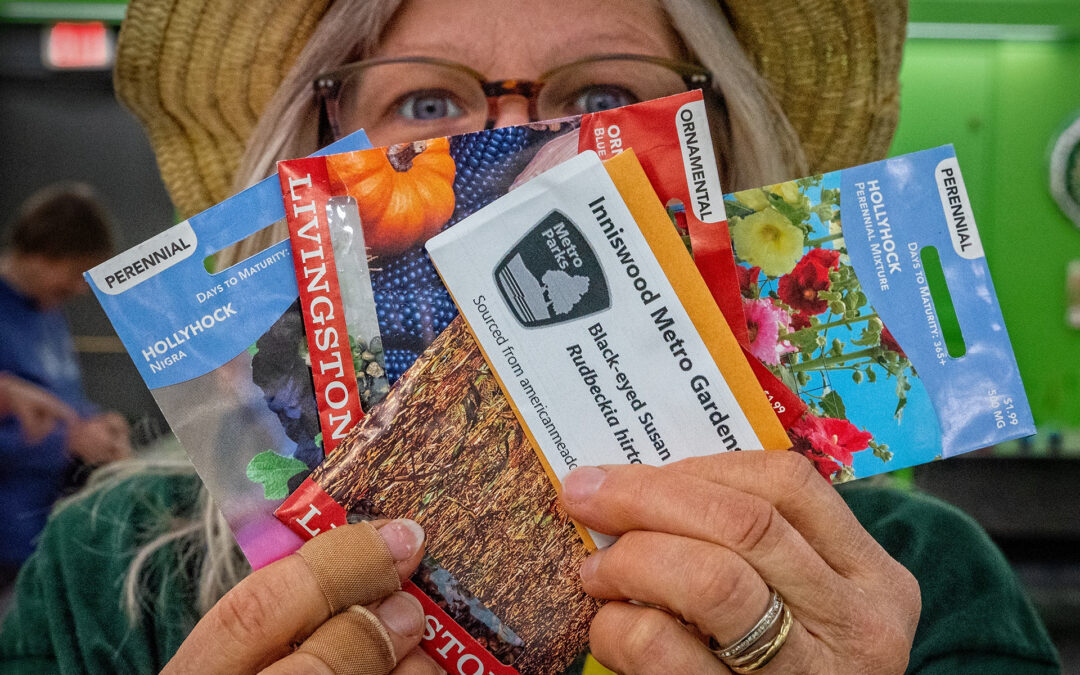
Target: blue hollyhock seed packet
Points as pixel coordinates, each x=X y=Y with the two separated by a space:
x=866 y=290
x=224 y=355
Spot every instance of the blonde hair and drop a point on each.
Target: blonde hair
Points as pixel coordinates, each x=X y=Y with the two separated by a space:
x=756 y=146
x=204 y=543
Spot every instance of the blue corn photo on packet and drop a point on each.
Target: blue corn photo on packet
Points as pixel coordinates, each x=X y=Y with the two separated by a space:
x=867 y=292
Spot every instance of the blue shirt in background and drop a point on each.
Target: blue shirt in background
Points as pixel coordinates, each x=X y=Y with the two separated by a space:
x=35 y=345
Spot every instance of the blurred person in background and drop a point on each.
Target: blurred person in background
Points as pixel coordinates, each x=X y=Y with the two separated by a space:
x=868 y=579
x=36 y=410
x=47 y=425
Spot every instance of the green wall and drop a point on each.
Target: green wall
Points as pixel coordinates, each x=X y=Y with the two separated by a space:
x=1001 y=103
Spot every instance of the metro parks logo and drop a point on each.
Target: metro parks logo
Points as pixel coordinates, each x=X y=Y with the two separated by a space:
x=552 y=275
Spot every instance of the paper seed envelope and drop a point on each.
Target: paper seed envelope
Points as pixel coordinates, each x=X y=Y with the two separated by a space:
x=603 y=335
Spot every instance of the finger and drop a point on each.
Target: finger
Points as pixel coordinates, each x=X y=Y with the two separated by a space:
x=417 y=662
x=36 y=425
x=618 y=499
x=359 y=641
x=323 y=554
x=639 y=640
x=258 y=621
x=707 y=585
x=790 y=483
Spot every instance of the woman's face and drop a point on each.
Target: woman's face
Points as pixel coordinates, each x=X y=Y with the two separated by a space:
x=511 y=39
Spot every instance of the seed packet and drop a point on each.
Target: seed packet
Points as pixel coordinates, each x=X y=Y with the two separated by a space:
x=866 y=291
x=404 y=194
x=602 y=333
x=447 y=449
x=225 y=357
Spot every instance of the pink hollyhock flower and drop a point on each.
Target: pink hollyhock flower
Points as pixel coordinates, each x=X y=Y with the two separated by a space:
x=835 y=438
x=799 y=288
x=890 y=343
x=764 y=321
x=748 y=280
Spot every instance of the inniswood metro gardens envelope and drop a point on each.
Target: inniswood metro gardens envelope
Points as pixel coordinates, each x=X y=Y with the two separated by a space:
x=591 y=313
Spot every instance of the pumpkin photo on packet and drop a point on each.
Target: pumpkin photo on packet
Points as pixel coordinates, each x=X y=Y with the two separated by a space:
x=404 y=193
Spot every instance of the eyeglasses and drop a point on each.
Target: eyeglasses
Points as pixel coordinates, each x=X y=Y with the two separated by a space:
x=403 y=99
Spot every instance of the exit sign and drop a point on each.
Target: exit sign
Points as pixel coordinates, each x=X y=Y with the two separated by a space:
x=78 y=46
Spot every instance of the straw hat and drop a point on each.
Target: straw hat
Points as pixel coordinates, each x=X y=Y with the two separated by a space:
x=197 y=73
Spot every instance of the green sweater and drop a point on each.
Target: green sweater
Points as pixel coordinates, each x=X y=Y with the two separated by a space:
x=68 y=616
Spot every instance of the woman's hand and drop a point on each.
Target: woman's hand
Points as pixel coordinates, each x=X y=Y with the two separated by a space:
x=331 y=608
x=707 y=537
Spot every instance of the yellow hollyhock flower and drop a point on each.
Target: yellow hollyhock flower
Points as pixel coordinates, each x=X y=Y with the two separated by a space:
x=789 y=192
x=768 y=240
x=753 y=199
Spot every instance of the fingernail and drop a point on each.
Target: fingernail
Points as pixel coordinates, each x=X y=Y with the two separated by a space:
x=401 y=613
x=588 y=568
x=581 y=483
x=403 y=537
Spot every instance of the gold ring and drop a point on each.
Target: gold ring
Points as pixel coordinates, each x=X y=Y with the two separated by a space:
x=767 y=621
x=771 y=648
x=745 y=655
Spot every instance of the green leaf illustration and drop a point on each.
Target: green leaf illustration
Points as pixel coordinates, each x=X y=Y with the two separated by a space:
x=833 y=406
x=736 y=209
x=273 y=471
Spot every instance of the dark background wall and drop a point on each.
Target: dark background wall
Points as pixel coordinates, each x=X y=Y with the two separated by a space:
x=68 y=126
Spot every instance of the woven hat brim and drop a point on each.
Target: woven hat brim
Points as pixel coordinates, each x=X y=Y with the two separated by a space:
x=834 y=66
x=198 y=73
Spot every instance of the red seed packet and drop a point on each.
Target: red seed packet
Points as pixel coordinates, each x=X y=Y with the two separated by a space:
x=446 y=447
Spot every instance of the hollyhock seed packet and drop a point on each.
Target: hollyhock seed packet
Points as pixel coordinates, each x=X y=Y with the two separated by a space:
x=225 y=356
x=866 y=291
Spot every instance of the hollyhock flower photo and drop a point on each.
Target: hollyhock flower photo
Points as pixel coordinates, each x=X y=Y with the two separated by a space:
x=809 y=321
x=764 y=321
x=768 y=240
x=748 y=280
x=799 y=288
x=830 y=442
x=753 y=199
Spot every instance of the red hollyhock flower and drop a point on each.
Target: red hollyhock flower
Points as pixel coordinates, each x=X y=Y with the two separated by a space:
x=799 y=321
x=830 y=440
x=890 y=343
x=799 y=288
x=825 y=465
x=748 y=278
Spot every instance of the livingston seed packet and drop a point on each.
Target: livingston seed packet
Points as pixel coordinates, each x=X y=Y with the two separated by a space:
x=866 y=290
x=402 y=195
x=394 y=199
x=446 y=446
x=225 y=356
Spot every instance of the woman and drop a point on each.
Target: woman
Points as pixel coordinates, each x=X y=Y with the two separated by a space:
x=711 y=549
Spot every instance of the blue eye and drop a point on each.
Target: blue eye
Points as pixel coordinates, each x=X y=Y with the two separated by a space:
x=602 y=97
x=428 y=105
